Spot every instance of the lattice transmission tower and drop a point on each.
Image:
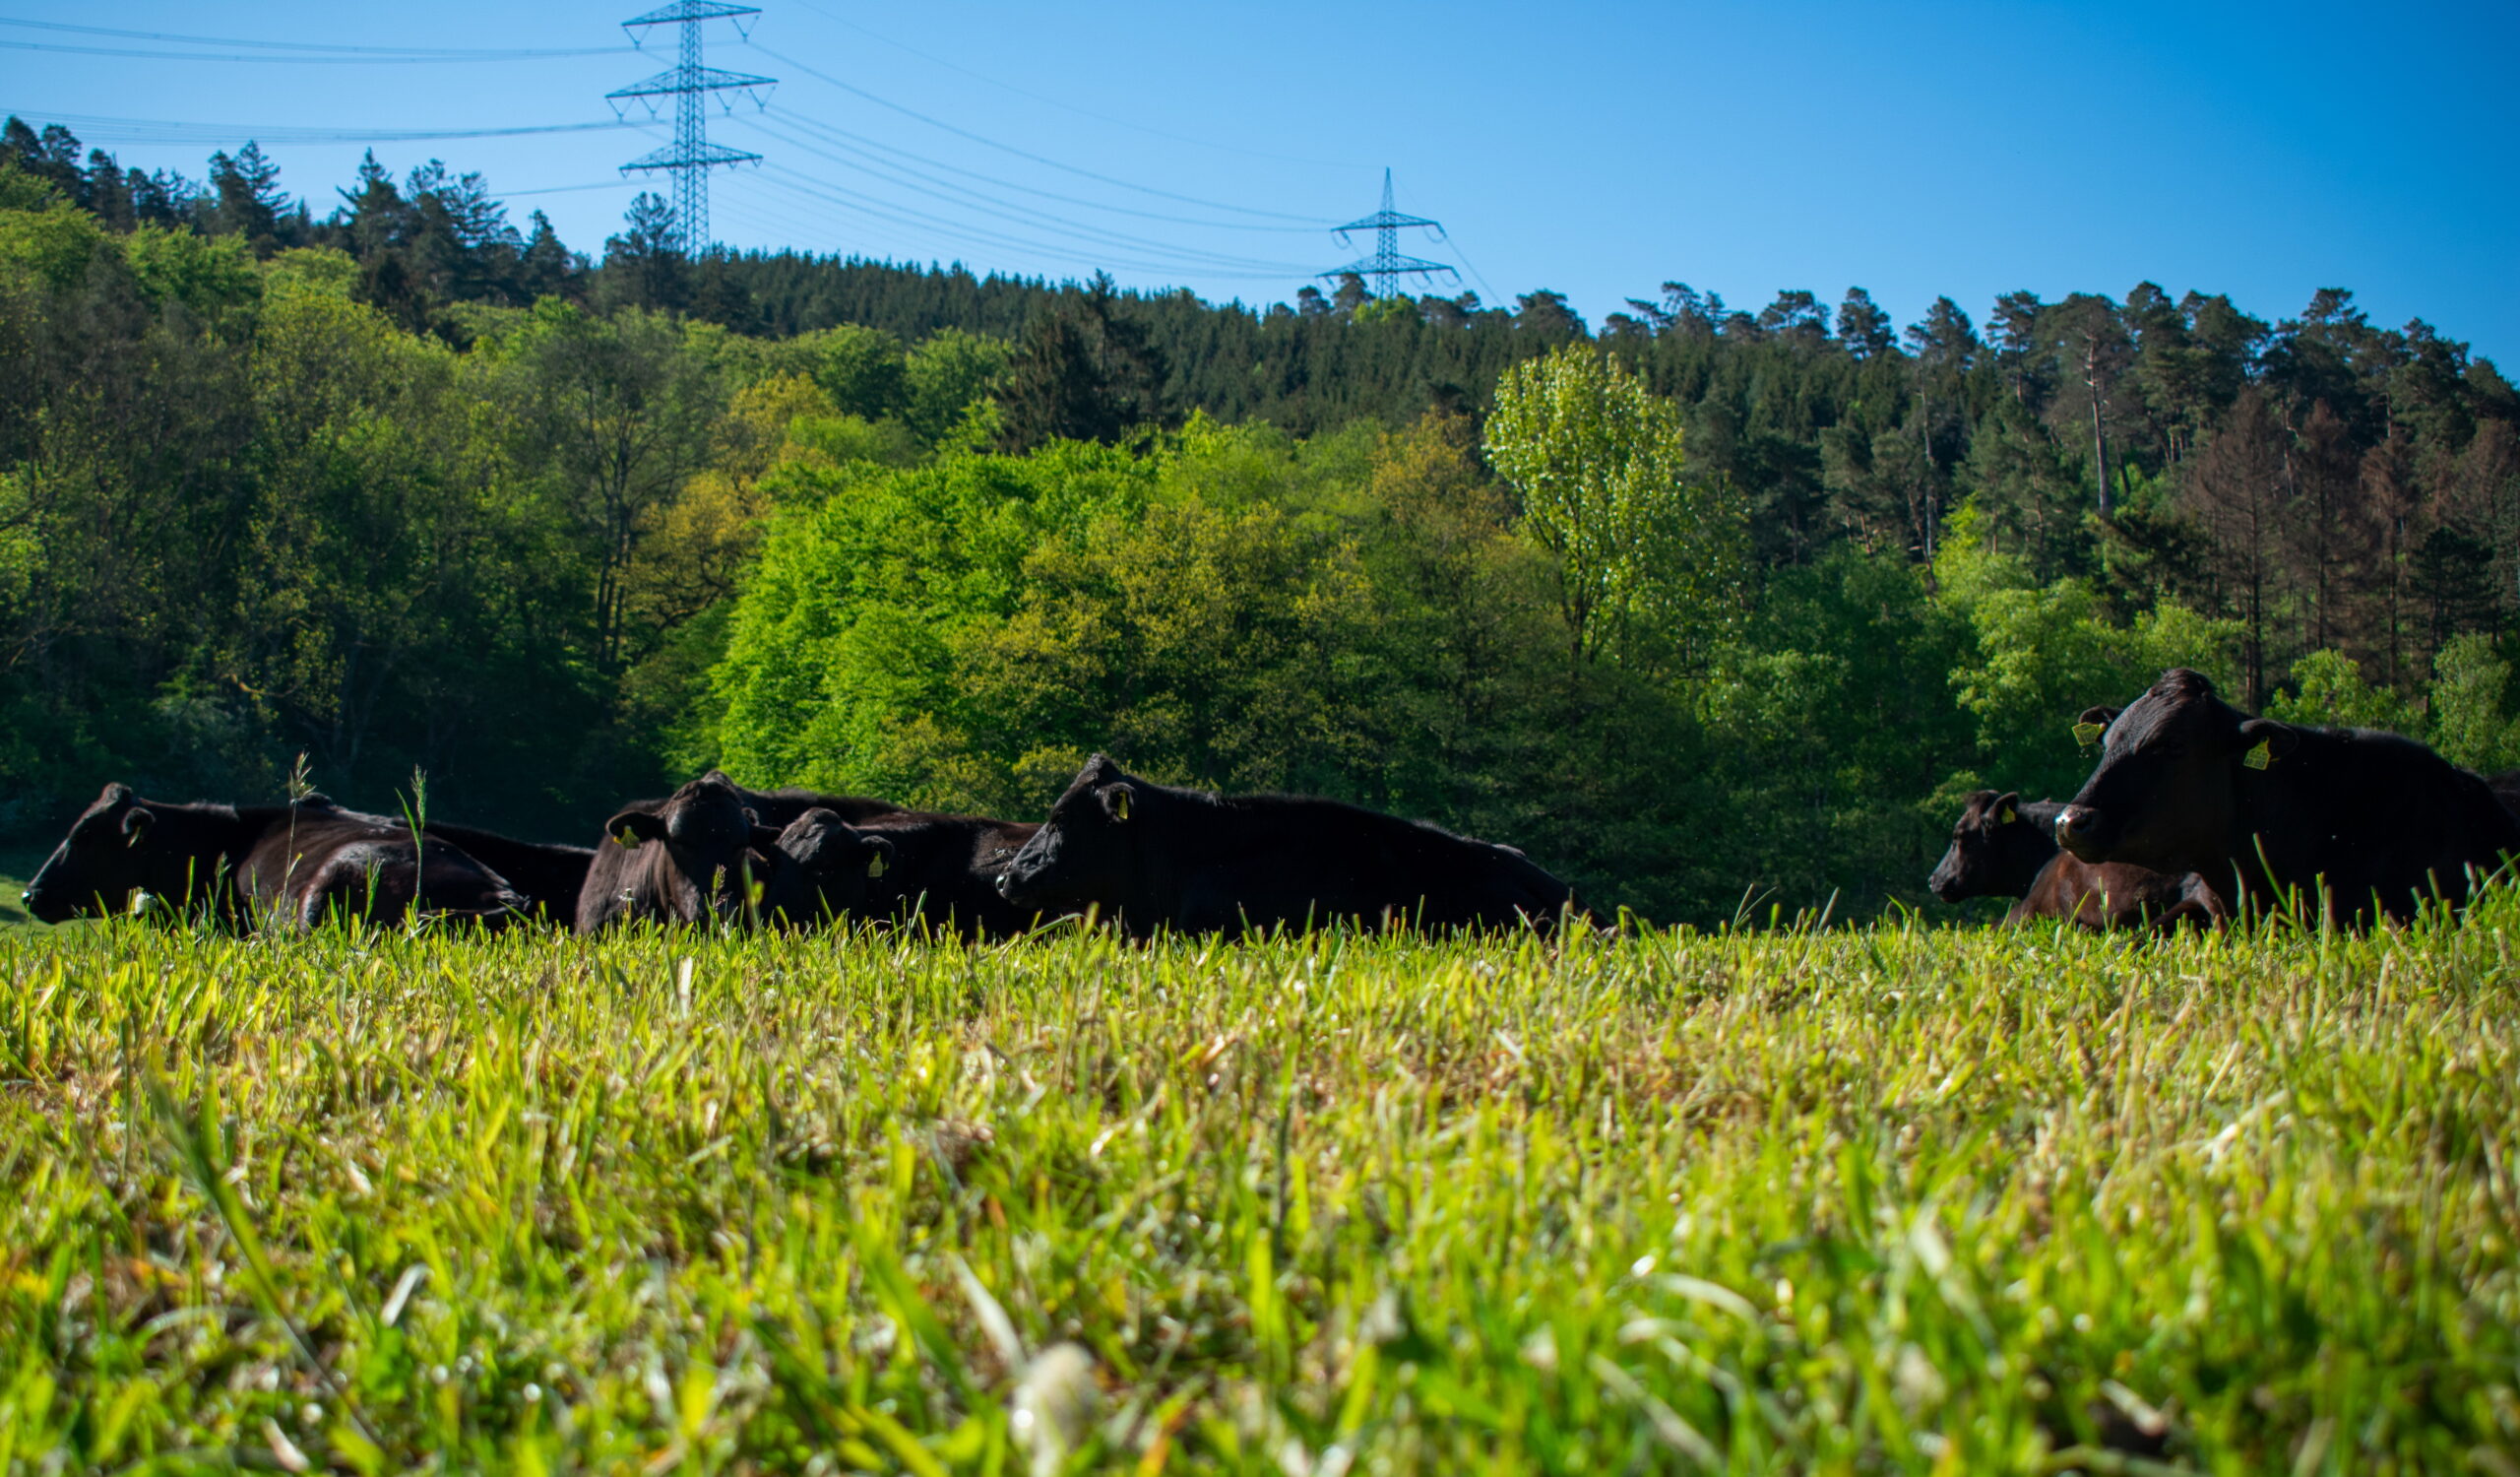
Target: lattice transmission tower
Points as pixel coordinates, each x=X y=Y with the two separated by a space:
x=1386 y=267
x=690 y=157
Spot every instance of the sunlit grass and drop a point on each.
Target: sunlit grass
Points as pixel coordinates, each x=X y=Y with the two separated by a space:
x=1879 y=1200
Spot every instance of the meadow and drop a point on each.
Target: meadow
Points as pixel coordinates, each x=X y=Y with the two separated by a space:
x=1856 y=1199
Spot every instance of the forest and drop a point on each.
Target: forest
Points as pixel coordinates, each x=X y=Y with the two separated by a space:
x=1709 y=610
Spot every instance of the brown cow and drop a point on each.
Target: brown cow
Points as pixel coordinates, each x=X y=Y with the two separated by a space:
x=2005 y=846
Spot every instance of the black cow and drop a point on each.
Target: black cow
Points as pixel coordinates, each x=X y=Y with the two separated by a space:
x=2005 y=846
x=693 y=855
x=548 y=876
x=1153 y=858
x=2263 y=809
x=945 y=871
x=303 y=863
x=819 y=867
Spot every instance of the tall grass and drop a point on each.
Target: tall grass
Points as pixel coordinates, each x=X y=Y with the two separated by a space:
x=1872 y=1199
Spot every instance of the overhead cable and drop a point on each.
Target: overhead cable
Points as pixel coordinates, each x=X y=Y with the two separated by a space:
x=162 y=131
x=833 y=194
x=1039 y=219
x=1082 y=113
x=408 y=52
x=843 y=138
x=132 y=54
x=600 y=185
x=855 y=90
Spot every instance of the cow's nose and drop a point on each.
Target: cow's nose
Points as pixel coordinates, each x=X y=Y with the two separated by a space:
x=2073 y=823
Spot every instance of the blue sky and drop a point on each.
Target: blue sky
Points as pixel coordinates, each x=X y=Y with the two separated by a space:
x=2258 y=150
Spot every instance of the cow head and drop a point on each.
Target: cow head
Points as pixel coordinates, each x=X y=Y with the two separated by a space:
x=1087 y=850
x=1995 y=848
x=112 y=849
x=2167 y=788
x=704 y=831
x=822 y=865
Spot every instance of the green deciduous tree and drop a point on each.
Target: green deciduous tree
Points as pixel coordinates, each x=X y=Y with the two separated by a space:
x=1650 y=562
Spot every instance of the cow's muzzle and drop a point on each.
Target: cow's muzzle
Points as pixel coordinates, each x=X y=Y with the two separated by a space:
x=2078 y=830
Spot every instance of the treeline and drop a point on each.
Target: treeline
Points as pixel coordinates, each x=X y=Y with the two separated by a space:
x=399 y=486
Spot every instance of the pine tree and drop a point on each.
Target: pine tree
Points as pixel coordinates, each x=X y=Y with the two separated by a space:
x=1083 y=372
x=1863 y=327
x=547 y=269
x=246 y=199
x=647 y=259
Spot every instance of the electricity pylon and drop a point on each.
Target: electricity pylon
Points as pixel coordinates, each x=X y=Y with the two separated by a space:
x=690 y=157
x=1387 y=266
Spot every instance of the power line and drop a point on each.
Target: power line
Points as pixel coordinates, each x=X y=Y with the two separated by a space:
x=821 y=192
x=1494 y=299
x=842 y=138
x=128 y=53
x=164 y=131
x=600 y=185
x=825 y=77
x=830 y=196
x=414 y=53
x=1041 y=219
x=1081 y=112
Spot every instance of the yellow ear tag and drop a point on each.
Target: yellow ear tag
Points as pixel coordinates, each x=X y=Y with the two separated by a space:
x=2089 y=733
x=1120 y=806
x=875 y=867
x=2260 y=757
x=2006 y=817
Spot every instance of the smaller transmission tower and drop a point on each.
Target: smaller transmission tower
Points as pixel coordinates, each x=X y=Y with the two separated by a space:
x=690 y=157
x=1386 y=267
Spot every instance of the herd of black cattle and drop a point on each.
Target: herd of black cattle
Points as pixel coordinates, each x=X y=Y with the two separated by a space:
x=2196 y=811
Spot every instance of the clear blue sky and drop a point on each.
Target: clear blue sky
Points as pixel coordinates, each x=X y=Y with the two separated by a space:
x=2260 y=150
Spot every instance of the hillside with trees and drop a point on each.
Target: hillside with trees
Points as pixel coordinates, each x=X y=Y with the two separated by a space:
x=1703 y=607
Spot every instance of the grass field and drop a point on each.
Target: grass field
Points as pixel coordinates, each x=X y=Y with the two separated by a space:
x=16 y=864
x=1884 y=1199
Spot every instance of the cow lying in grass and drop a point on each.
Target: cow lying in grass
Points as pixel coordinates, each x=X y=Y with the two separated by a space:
x=1153 y=858
x=2005 y=846
x=305 y=865
x=2348 y=819
x=548 y=877
x=707 y=854
x=945 y=871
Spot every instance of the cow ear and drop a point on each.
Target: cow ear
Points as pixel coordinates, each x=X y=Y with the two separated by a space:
x=2263 y=740
x=135 y=823
x=879 y=856
x=2094 y=722
x=631 y=827
x=1117 y=799
x=2007 y=808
